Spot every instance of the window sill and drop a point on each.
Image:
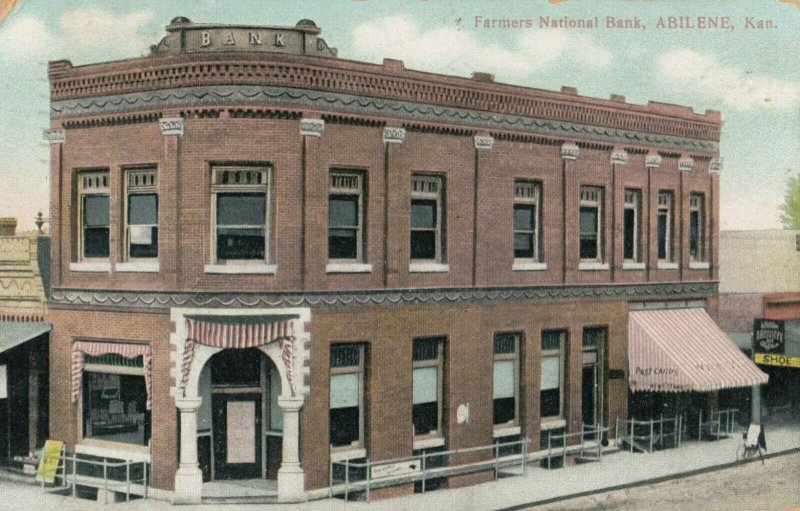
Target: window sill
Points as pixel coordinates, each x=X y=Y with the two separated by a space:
x=666 y=265
x=347 y=453
x=522 y=265
x=506 y=431
x=548 y=424
x=699 y=265
x=119 y=450
x=592 y=266
x=138 y=267
x=348 y=268
x=91 y=267
x=233 y=269
x=428 y=442
x=428 y=268
x=632 y=265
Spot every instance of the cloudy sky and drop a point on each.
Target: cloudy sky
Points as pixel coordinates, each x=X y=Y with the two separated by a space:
x=751 y=75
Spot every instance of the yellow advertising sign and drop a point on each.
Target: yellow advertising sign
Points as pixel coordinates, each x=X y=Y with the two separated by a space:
x=773 y=359
x=51 y=455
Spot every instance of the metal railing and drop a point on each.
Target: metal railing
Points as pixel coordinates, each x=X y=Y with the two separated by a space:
x=590 y=436
x=717 y=424
x=104 y=475
x=646 y=435
x=422 y=468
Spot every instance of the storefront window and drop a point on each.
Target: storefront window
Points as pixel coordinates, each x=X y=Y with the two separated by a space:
x=114 y=408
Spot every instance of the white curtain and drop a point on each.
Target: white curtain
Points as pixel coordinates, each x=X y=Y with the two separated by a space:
x=425 y=384
x=551 y=368
x=344 y=390
x=503 y=379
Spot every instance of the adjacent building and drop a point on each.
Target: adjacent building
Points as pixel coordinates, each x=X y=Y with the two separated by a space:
x=267 y=257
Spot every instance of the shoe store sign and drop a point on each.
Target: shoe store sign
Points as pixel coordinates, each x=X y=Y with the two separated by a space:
x=769 y=344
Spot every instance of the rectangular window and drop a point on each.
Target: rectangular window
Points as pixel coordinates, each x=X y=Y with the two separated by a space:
x=346 y=217
x=631 y=236
x=427 y=218
x=241 y=219
x=141 y=215
x=505 y=389
x=665 y=221
x=427 y=387
x=552 y=381
x=94 y=203
x=526 y=220
x=347 y=395
x=115 y=400
x=591 y=223
x=696 y=227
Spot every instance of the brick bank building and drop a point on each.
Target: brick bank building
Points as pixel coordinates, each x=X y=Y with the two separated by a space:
x=266 y=257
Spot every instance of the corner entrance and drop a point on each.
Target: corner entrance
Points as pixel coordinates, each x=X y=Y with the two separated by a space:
x=242 y=387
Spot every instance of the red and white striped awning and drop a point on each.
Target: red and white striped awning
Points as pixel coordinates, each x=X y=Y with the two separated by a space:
x=238 y=332
x=681 y=350
x=82 y=348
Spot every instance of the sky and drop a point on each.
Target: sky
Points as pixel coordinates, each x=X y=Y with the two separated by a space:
x=751 y=75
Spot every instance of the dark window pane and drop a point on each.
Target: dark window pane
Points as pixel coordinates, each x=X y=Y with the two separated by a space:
x=423 y=214
x=423 y=245
x=662 y=235
x=240 y=243
x=114 y=408
x=343 y=211
x=694 y=234
x=552 y=340
x=628 y=242
x=505 y=343
x=588 y=247
x=139 y=246
x=95 y=242
x=342 y=244
x=241 y=209
x=142 y=209
x=550 y=403
x=344 y=426
x=425 y=349
x=523 y=217
x=240 y=367
x=425 y=416
x=346 y=355
x=588 y=220
x=95 y=211
x=504 y=410
x=594 y=337
x=523 y=245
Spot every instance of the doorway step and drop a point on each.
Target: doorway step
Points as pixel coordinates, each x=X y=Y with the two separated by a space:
x=241 y=491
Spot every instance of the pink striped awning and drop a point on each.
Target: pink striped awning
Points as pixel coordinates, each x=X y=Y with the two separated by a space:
x=82 y=348
x=238 y=332
x=681 y=350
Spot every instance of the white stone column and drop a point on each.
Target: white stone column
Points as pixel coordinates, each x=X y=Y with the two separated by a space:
x=291 y=478
x=189 y=477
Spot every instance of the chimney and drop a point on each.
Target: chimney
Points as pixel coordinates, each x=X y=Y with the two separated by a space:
x=8 y=226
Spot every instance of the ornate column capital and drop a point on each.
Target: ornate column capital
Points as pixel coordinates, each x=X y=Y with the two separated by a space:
x=653 y=160
x=483 y=142
x=53 y=136
x=715 y=166
x=311 y=127
x=619 y=156
x=570 y=151
x=686 y=163
x=394 y=135
x=172 y=126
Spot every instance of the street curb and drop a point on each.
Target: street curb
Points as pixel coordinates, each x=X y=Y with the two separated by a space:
x=646 y=482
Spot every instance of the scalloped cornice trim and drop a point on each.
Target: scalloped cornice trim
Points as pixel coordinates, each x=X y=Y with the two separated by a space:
x=253 y=94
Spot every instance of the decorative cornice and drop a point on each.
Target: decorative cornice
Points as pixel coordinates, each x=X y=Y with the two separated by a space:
x=164 y=300
x=715 y=166
x=394 y=135
x=483 y=142
x=172 y=126
x=619 y=157
x=53 y=136
x=312 y=127
x=570 y=151
x=652 y=160
x=191 y=97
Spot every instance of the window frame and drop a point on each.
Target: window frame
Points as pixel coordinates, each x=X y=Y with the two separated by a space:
x=632 y=202
x=528 y=193
x=548 y=353
x=358 y=369
x=697 y=208
x=219 y=188
x=149 y=186
x=438 y=363
x=421 y=191
x=92 y=183
x=665 y=207
x=359 y=191
x=588 y=199
x=515 y=358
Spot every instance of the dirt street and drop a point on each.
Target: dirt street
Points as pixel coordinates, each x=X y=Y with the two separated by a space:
x=775 y=485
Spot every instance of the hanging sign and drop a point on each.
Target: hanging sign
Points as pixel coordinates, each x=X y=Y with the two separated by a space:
x=768 y=336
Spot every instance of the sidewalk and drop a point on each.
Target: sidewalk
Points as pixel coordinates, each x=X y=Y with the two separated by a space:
x=616 y=470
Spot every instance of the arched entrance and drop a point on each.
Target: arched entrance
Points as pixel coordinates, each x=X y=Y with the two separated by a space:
x=240 y=424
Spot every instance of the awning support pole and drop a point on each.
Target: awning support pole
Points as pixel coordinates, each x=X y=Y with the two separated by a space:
x=755 y=402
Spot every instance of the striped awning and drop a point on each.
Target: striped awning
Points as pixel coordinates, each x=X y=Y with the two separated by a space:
x=82 y=348
x=238 y=332
x=681 y=350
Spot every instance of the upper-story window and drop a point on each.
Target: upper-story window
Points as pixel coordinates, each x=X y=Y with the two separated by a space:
x=505 y=388
x=665 y=226
x=141 y=215
x=696 y=227
x=591 y=224
x=427 y=218
x=631 y=233
x=241 y=214
x=93 y=190
x=346 y=217
x=347 y=395
x=526 y=220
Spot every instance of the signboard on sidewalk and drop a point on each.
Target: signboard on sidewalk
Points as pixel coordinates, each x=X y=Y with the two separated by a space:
x=48 y=465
